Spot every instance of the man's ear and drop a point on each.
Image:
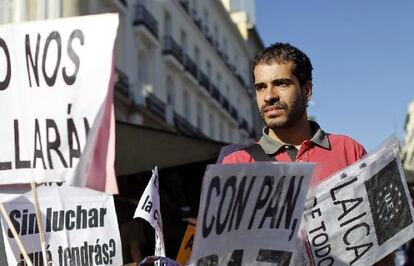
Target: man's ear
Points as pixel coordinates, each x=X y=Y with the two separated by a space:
x=308 y=90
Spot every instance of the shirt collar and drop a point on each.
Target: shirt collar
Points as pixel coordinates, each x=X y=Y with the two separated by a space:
x=271 y=146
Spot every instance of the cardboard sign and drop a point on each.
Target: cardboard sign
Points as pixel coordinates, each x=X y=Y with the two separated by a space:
x=361 y=214
x=250 y=213
x=149 y=209
x=80 y=224
x=186 y=246
x=54 y=80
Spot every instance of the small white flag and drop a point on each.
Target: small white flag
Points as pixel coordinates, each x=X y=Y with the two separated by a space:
x=149 y=209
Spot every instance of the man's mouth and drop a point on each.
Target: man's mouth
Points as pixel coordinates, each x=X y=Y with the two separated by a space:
x=274 y=110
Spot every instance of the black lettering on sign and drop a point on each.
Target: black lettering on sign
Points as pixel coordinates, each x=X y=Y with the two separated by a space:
x=76 y=34
x=5 y=83
x=276 y=204
x=53 y=36
x=276 y=257
x=38 y=149
x=147 y=206
x=341 y=186
x=290 y=201
x=347 y=206
x=53 y=145
x=230 y=184
x=240 y=203
x=57 y=220
x=214 y=185
x=273 y=205
x=236 y=258
x=328 y=261
x=262 y=197
x=232 y=202
x=19 y=163
x=210 y=260
x=189 y=244
x=73 y=139
x=359 y=251
x=32 y=61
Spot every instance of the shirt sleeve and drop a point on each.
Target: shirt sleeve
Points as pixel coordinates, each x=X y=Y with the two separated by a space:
x=237 y=157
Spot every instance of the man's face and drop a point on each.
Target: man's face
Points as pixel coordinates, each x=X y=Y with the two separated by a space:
x=281 y=100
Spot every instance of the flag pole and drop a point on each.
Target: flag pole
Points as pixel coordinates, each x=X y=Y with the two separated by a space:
x=39 y=223
x=15 y=235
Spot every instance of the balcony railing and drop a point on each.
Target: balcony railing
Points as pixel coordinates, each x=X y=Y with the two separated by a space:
x=185 y=127
x=144 y=17
x=203 y=80
x=243 y=125
x=205 y=31
x=225 y=104
x=185 y=5
x=173 y=48
x=215 y=92
x=233 y=113
x=190 y=66
x=156 y=106
x=122 y=82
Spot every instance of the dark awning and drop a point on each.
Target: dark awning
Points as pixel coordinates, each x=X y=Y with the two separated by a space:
x=140 y=148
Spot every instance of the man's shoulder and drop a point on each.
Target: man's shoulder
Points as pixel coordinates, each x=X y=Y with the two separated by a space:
x=239 y=156
x=339 y=138
x=347 y=143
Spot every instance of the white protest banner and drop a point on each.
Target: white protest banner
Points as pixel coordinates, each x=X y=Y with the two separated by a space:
x=80 y=224
x=54 y=80
x=250 y=213
x=361 y=214
x=149 y=209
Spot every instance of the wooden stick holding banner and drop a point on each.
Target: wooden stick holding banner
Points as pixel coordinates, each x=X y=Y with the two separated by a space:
x=39 y=223
x=15 y=235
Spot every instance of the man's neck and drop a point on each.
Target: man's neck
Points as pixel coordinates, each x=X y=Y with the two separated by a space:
x=294 y=135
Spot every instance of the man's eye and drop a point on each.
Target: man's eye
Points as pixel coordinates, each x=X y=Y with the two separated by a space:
x=282 y=83
x=259 y=88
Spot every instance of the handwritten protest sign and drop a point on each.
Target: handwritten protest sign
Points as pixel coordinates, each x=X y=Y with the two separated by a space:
x=149 y=209
x=80 y=224
x=360 y=214
x=250 y=213
x=54 y=80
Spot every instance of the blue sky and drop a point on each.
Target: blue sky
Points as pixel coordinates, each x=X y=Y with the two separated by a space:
x=363 y=58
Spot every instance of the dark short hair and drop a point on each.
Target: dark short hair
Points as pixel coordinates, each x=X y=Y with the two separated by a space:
x=285 y=53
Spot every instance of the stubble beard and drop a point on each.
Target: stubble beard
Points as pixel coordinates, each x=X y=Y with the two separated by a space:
x=287 y=120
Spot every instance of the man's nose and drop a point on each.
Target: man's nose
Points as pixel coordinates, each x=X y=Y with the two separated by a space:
x=271 y=95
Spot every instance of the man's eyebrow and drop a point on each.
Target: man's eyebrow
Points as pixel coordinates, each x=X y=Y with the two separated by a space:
x=259 y=84
x=288 y=80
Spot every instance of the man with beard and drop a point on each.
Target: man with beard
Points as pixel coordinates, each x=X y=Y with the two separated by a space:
x=283 y=82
